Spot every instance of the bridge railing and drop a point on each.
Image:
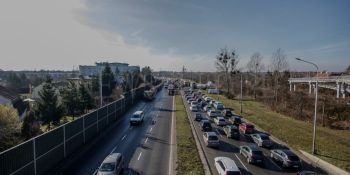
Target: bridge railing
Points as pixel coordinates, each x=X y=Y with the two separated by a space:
x=322 y=79
x=42 y=153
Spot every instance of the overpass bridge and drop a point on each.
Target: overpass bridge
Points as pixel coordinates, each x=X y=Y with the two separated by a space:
x=337 y=83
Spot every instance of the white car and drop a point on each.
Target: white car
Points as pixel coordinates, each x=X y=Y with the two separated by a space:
x=112 y=165
x=213 y=113
x=137 y=118
x=194 y=103
x=226 y=166
x=194 y=108
x=207 y=108
x=211 y=139
x=220 y=121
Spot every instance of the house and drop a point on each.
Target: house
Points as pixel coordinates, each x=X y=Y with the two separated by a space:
x=11 y=98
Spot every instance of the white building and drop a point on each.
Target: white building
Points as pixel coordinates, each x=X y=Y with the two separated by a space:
x=90 y=70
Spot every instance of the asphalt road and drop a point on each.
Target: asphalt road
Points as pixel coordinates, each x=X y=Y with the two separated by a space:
x=147 y=148
x=230 y=148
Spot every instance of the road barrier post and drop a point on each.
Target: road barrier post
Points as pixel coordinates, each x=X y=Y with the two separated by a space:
x=34 y=156
x=64 y=140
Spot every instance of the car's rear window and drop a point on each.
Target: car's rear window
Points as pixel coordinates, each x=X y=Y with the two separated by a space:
x=221 y=120
x=213 y=138
x=136 y=116
x=232 y=173
x=293 y=158
x=250 y=126
x=260 y=153
x=264 y=137
x=106 y=167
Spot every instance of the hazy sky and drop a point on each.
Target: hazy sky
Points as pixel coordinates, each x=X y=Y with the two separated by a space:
x=166 y=34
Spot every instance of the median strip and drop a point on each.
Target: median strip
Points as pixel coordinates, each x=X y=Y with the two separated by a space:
x=188 y=160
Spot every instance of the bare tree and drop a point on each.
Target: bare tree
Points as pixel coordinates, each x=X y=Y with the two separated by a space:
x=255 y=66
x=226 y=63
x=277 y=66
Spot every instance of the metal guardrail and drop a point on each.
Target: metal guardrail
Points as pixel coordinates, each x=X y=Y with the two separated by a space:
x=42 y=153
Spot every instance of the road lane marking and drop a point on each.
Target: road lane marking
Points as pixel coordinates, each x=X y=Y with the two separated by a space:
x=123 y=137
x=114 y=149
x=131 y=127
x=241 y=162
x=146 y=140
x=171 y=140
x=95 y=172
x=151 y=129
x=138 y=158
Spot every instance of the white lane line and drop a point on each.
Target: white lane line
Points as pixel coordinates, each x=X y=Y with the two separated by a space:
x=171 y=140
x=146 y=140
x=123 y=137
x=241 y=162
x=151 y=129
x=138 y=158
x=95 y=172
x=114 y=149
x=131 y=127
x=273 y=162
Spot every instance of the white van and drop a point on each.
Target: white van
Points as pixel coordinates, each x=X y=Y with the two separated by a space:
x=213 y=91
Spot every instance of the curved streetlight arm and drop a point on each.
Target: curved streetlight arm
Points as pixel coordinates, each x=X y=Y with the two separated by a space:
x=308 y=62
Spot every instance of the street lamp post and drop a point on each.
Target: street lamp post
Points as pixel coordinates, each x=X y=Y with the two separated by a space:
x=315 y=115
x=241 y=93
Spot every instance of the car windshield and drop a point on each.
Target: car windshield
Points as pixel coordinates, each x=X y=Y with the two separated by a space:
x=228 y=112
x=250 y=126
x=213 y=138
x=293 y=158
x=107 y=167
x=232 y=173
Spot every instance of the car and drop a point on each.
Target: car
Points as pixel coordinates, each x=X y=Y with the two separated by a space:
x=211 y=139
x=213 y=113
x=226 y=166
x=194 y=103
x=207 y=108
x=262 y=140
x=198 y=117
x=231 y=131
x=194 y=108
x=112 y=164
x=190 y=100
x=211 y=102
x=203 y=104
x=246 y=128
x=227 y=113
x=220 y=121
x=218 y=105
x=252 y=153
x=137 y=118
x=207 y=99
x=206 y=125
x=286 y=158
x=235 y=120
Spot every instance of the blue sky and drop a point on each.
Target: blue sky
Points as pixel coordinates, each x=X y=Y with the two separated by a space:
x=314 y=29
x=166 y=34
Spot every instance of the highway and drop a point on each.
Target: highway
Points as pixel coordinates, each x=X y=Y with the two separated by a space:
x=148 y=148
x=230 y=148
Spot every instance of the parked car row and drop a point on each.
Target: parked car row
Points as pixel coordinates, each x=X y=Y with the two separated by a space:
x=233 y=127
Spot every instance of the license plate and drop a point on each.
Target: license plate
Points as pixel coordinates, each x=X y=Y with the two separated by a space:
x=295 y=166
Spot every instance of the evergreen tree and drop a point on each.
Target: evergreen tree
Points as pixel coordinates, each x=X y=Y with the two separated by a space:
x=30 y=126
x=10 y=127
x=108 y=81
x=70 y=98
x=48 y=108
x=85 y=99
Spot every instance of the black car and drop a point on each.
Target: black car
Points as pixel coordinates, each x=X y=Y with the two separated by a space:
x=227 y=113
x=206 y=126
x=235 y=120
x=198 y=117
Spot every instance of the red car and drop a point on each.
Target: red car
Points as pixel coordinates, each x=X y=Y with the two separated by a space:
x=246 y=128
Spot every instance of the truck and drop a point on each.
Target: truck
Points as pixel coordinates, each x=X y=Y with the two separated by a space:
x=171 y=89
x=149 y=94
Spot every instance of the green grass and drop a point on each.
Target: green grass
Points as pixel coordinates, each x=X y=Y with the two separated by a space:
x=332 y=146
x=188 y=161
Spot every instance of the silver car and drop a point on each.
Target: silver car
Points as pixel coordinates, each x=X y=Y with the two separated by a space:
x=262 y=140
x=286 y=158
x=113 y=164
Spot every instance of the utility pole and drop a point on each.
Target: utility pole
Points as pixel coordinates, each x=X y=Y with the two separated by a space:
x=256 y=71
x=315 y=114
x=101 y=97
x=241 y=97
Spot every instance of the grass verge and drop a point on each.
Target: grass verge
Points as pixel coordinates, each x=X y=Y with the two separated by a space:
x=331 y=145
x=188 y=161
